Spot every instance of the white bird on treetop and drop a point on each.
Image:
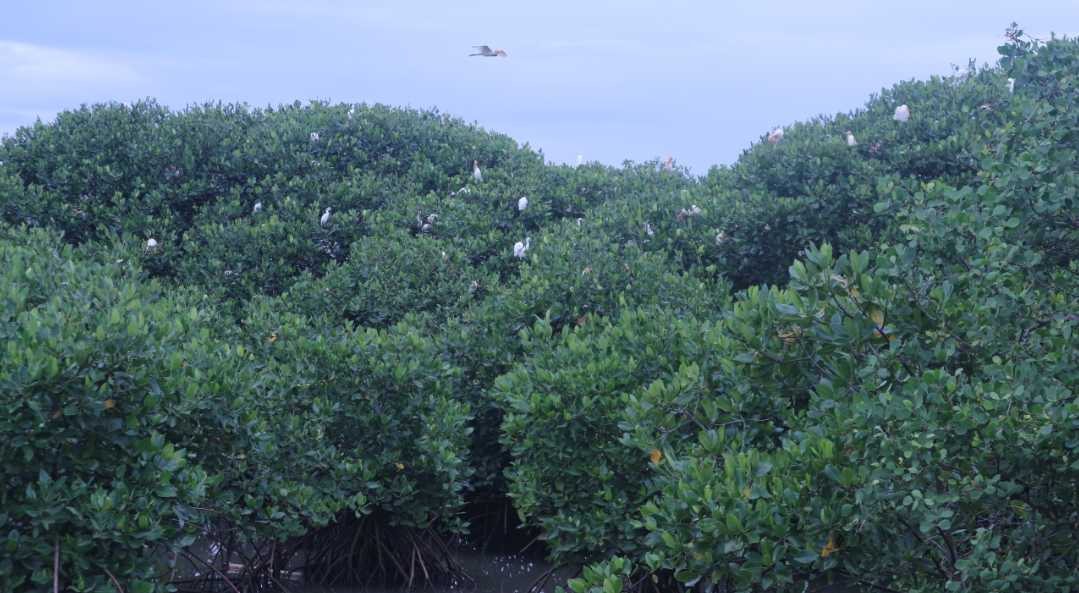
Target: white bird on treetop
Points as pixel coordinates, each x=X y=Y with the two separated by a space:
x=669 y=168
x=519 y=248
x=488 y=52
x=1011 y=85
x=476 y=173
x=150 y=244
x=522 y=203
x=325 y=216
x=257 y=208
x=902 y=114
x=580 y=158
x=776 y=136
x=850 y=139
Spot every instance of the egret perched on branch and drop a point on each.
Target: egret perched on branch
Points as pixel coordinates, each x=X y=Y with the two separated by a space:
x=720 y=237
x=519 y=248
x=648 y=229
x=669 y=168
x=445 y=258
x=257 y=208
x=325 y=216
x=902 y=114
x=476 y=173
x=463 y=190
x=472 y=287
x=150 y=244
x=488 y=52
x=776 y=136
x=314 y=136
x=850 y=139
x=580 y=158
x=522 y=203
x=1011 y=85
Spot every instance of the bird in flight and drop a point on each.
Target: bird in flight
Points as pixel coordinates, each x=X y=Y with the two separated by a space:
x=488 y=52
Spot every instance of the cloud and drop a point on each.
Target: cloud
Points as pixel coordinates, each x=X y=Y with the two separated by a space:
x=22 y=63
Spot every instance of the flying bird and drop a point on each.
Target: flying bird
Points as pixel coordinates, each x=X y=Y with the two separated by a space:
x=257 y=208
x=522 y=203
x=325 y=216
x=476 y=173
x=519 y=248
x=776 y=136
x=580 y=158
x=669 y=168
x=488 y=52
x=902 y=114
x=850 y=139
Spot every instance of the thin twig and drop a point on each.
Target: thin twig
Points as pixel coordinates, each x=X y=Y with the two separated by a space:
x=114 y=581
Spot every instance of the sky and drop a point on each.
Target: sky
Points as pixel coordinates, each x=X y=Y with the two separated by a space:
x=616 y=80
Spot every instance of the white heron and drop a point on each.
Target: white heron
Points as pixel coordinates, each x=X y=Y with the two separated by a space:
x=314 y=136
x=776 y=136
x=519 y=248
x=522 y=203
x=579 y=221
x=669 y=168
x=580 y=158
x=850 y=139
x=257 y=208
x=325 y=216
x=488 y=52
x=472 y=287
x=648 y=229
x=1011 y=85
x=445 y=258
x=476 y=173
x=150 y=244
x=902 y=114
x=720 y=237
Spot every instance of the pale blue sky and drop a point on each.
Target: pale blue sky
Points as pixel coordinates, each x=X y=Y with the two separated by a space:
x=698 y=81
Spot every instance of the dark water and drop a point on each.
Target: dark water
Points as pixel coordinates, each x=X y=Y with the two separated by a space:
x=492 y=573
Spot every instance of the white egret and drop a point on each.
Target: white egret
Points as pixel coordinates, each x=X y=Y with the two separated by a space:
x=445 y=258
x=850 y=139
x=314 y=136
x=150 y=244
x=472 y=287
x=325 y=216
x=579 y=221
x=776 y=136
x=669 y=168
x=648 y=229
x=431 y=218
x=522 y=203
x=519 y=248
x=476 y=173
x=257 y=208
x=580 y=158
x=720 y=237
x=488 y=52
x=902 y=114
x=1011 y=85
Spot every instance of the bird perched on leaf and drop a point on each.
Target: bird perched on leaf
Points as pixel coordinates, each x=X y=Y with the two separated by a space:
x=776 y=136
x=850 y=139
x=488 y=52
x=476 y=173
x=522 y=203
x=257 y=208
x=445 y=258
x=472 y=287
x=720 y=237
x=325 y=216
x=580 y=158
x=668 y=167
x=902 y=114
x=519 y=248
